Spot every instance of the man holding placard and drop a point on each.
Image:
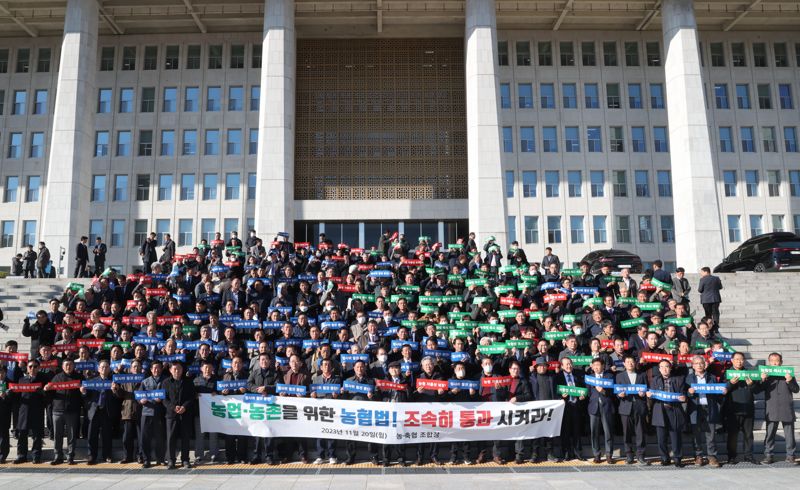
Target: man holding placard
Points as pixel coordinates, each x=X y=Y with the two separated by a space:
x=178 y=401
x=601 y=408
x=740 y=407
x=571 y=387
x=97 y=396
x=630 y=387
x=30 y=412
x=779 y=386
x=362 y=388
x=66 y=401
x=668 y=418
x=262 y=381
x=705 y=396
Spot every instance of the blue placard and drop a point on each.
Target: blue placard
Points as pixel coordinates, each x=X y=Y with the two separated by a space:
x=283 y=310
x=311 y=344
x=264 y=280
x=598 y=381
x=384 y=264
x=625 y=389
x=172 y=358
x=182 y=298
x=194 y=369
x=326 y=388
x=459 y=357
x=251 y=344
x=157 y=277
x=272 y=325
x=258 y=399
x=709 y=388
x=354 y=387
x=96 y=384
x=202 y=317
x=229 y=319
x=375 y=314
x=341 y=345
x=124 y=363
x=383 y=274
x=247 y=324
x=86 y=365
x=281 y=361
x=219 y=269
x=440 y=342
x=389 y=332
x=398 y=344
x=219 y=348
x=291 y=389
x=353 y=358
x=585 y=290
x=722 y=356
x=127 y=378
x=287 y=342
x=226 y=363
x=330 y=325
x=439 y=354
x=146 y=340
x=463 y=384
x=288 y=280
x=549 y=285
x=231 y=385
x=192 y=345
x=307 y=277
x=409 y=366
x=666 y=396
x=149 y=395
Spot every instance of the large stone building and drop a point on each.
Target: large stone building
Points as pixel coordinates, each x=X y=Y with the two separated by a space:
x=668 y=128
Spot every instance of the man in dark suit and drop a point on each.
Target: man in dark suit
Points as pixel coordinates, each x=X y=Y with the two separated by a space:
x=151 y=431
x=778 y=397
x=168 y=250
x=518 y=391
x=67 y=406
x=395 y=396
x=99 y=253
x=360 y=377
x=178 y=402
x=709 y=288
x=236 y=294
x=542 y=388
x=601 y=410
x=30 y=415
x=147 y=251
x=81 y=257
x=739 y=410
x=99 y=412
x=550 y=258
x=668 y=417
x=633 y=411
x=326 y=448
x=262 y=380
x=704 y=412
x=572 y=422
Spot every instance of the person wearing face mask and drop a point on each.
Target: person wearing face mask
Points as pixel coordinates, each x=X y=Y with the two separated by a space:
x=487 y=393
x=542 y=388
x=369 y=340
x=359 y=326
x=428 y=396
x=461 y=451
x=379 y=369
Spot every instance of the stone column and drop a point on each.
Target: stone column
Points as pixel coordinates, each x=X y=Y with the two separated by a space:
x=698 y=228
x=487 y=202
x=65 y=215
x=275 y=179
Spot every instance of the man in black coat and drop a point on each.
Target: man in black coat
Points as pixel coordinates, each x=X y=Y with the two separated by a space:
x=428 y=396
x=542 y=388
x=572 y=423
x=457 y=395
x=81 y=257
x=67 y=406
x=709 y=288
x=206 y=382
x=178 y=403
x=30 y=414
x=360 y=377
x=262 y=380
x=395 y=396
x=668 y=416
x=147 y=251
x=6 y=407
x=99 y=252
x=601 y=411
x=778 y=398
x=632 y=409
x=518 y=391
x=739 y=409
x=326 y=448
x=99 y=411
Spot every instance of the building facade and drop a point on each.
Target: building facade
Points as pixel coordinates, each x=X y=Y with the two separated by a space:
x=556 y=124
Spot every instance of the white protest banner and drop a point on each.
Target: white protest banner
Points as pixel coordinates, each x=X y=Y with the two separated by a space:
x=380 y=422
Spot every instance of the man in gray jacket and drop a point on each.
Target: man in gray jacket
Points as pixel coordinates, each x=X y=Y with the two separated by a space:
x=709 y=288
x=778 y=392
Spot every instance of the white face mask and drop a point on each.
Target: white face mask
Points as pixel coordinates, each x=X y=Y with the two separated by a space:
x=493 y=321
x=387 y=320
x=304 y=308
x=361 y=320
x=382 y=358
x=578 y=331
x=487 y=369
x=459 y=373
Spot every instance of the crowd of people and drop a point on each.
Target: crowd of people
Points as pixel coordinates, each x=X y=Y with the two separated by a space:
x=625 y=356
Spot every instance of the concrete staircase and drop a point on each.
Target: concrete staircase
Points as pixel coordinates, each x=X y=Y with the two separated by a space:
x=759 y=315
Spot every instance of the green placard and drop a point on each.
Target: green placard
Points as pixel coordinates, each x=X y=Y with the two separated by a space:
x=413 y=323
x=393 y=298
x=477 y=300
x=496 y=348
x=571 y=272
x=452 y=298
x=109 y=345
x=457 y=315
x=655 y=306
x=430 y=271
x=189 y=329
x=519 y=343
x=444 y=327
x=779 y=371
x=368 y=298
x=507 y=313
x=537 y=315
x=409 y=288
x=460 y=333
x=679 y=322
x=568 y=319
x=492 y=327
x=508 y=269
x=581 y=360
x=476 y=282
x=754 y=374
x=427 y=300
x=466 y=324
x=455 y=278
x=425 y=309
x=660 y=284
x=557 y=334
x=75 y=286
x=626 y=301
x=597 y=301
x=572 y=390
x=699 y=344
x=655 y=328
x=632 y=323
x=455 y=245
x=529 y=279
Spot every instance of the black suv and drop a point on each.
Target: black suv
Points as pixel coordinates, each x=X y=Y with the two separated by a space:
x=616 y=259
x=769 y=252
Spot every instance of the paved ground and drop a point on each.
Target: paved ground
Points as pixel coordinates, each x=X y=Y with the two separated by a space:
x=776 y=476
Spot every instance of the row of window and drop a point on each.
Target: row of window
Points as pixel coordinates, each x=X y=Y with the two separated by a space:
x=23 y=60
x=19 y=106
x=763 y=92
x=599 y=230
x=597 y=183
x=210 y=184
x=32 y=188
x=760 y=54
x=212 y=143
x=752 y=183
x=756 y=222
x=171 y=59
x=591 y=96
x=593 y=136
x=747 y=138
x=169 y=99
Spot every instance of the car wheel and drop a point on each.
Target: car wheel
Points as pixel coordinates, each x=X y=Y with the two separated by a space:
x=760 y=268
